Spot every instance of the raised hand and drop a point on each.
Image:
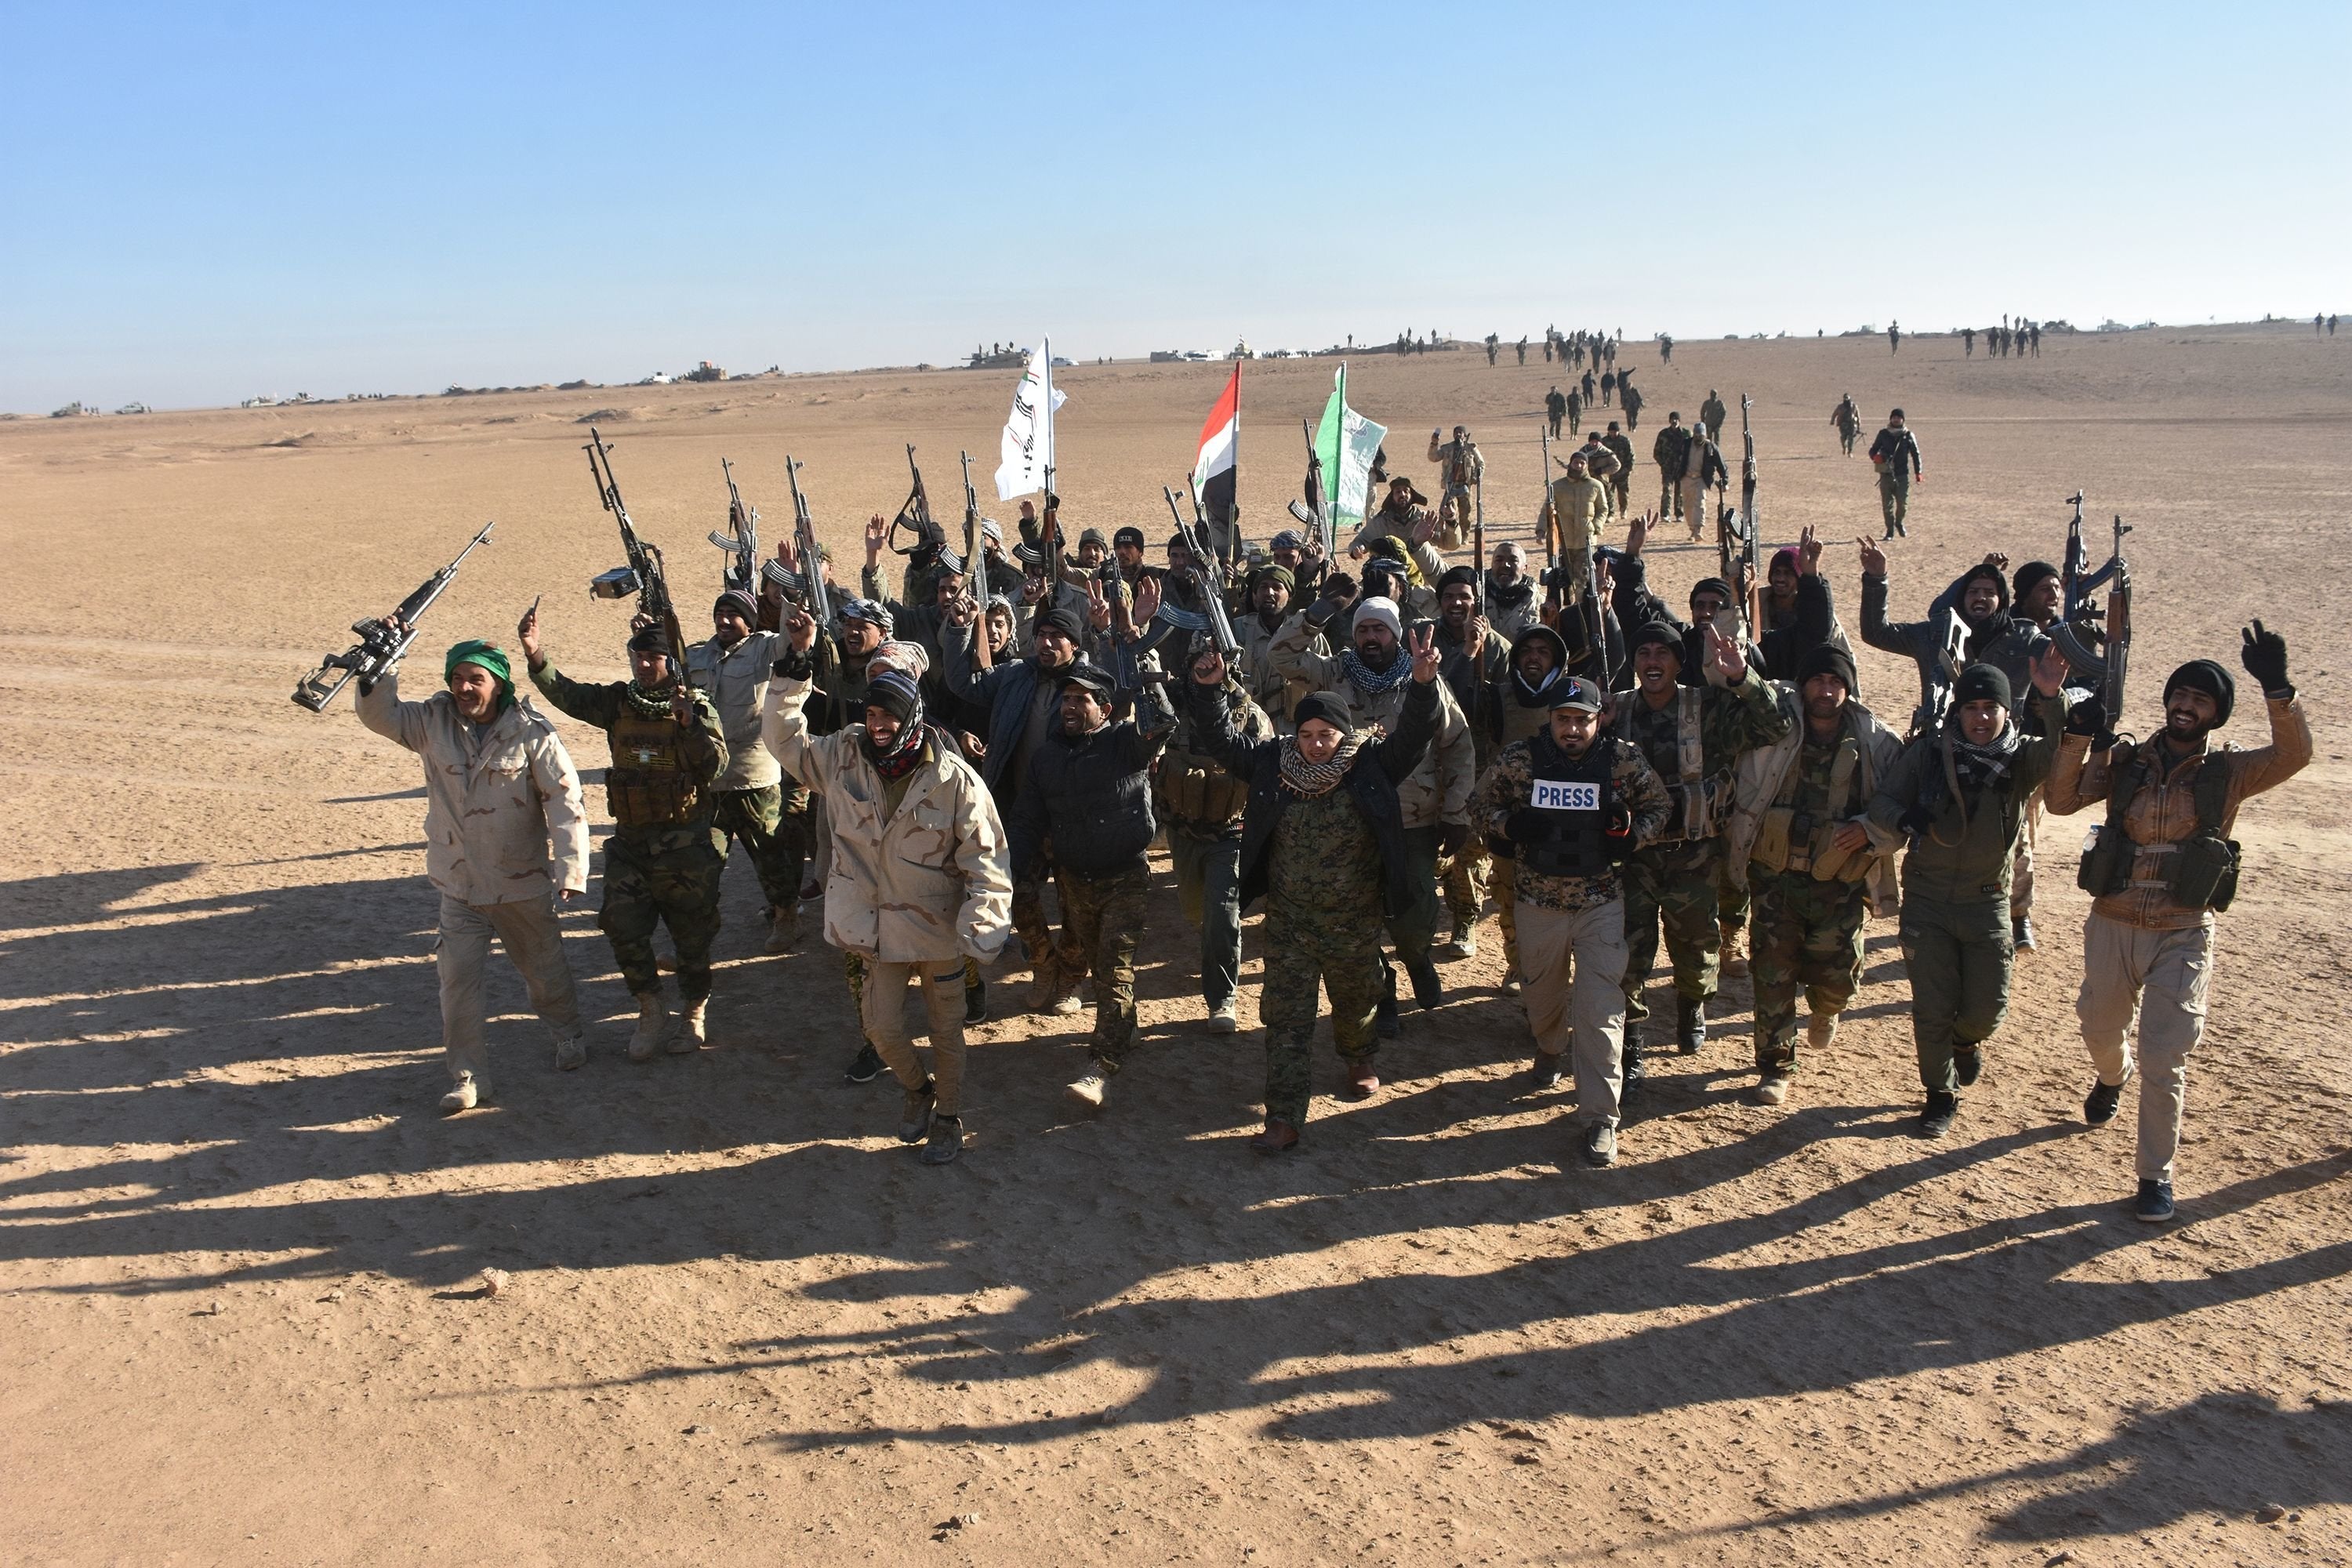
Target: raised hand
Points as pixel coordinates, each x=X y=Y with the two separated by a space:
x=1423 y=641
x=1638 y=533
x=1208 y=667
x=788 y=555
x=1874 y=559
x=1097 y=606
x=878 y=534
x=1474 y=634
x=1723 y=655
x=2264 y=654
x=1997 y=560
x=961 y=611
x=1314 y=550
x=1032 y=589
x=527 y=634
x=2049 y=671
x=1147 y=599
x=1808 y=553
x=681 y=702
x=800 y=631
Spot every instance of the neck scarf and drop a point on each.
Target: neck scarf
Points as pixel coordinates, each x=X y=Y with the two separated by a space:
x=650 y=704
x=1373 y=682
x=1984 y=767
x=1301 y=777
x=905 y=753
x=1538 y=695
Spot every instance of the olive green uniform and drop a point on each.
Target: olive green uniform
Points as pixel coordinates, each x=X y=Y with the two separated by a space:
x=1322 y=923
x=662 y=863
x=1957 y=940
x=1808 y=926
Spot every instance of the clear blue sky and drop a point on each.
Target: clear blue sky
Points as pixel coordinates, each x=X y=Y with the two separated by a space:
x=201 y=201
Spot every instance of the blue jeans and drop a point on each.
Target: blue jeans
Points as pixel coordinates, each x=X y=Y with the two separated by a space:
x=1209 y=887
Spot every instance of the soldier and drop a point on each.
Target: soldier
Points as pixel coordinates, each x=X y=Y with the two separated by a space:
x=1896 y=452
x=1523 y=348
x=1620 y=483
x=1893 y=337
x=1370 y=677
x=1510 y=595
x=1967 y=348
x=1402 y=514
x=753 y=802
x=661 y=864
x=1201 y=805
x=1474 y=657
x=1493 y=343
x=1711 y=413
x=1521 y=706
x=1303 y=558
x=1692 y=736
x=1980 y=600
x=1670 y=449
x=1607 y=386
x=1268 y=610
x=1023 y=702
x=2161 y=867
x=1665 y=349
x=1800 y=840
x=498 y=786
x=1579 y=506
x=1575 y=405
x=1459 y=471
x=1089 y=790
x=1555 y=408
x=919 y=885
x=1631 y=396
x=1704 y=469
x=1959 y=794
x=1847 y=418
x=1323 y=843
x=1588 y=387
x=1570 y=804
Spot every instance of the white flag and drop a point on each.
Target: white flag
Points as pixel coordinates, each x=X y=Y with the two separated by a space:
x=1026 y=457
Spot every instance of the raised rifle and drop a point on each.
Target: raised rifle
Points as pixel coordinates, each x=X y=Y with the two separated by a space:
x=2097 y=642
x=1736 y=533
x=1212 y=597
x=642 y=574
x=382 y=642
x=915 y=518
x=741 y=539
x=1478 y=534
x=1315 y=512
x=812 y=583
x=975 y=560
x=1544 y=520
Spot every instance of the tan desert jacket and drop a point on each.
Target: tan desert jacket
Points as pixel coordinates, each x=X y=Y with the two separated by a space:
x=1438 y=788
x=926 y=883
x=495 y=796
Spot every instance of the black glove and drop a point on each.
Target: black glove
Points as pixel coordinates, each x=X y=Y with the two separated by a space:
x=1452 y=837
x=1916 y=822
x=794 y=666
x=2264 y=656
x=2087 y=715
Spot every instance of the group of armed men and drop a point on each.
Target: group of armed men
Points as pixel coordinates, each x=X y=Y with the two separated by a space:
x=1393 y=741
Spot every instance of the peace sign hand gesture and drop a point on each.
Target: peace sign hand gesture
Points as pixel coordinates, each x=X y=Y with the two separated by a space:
x=1423 y=643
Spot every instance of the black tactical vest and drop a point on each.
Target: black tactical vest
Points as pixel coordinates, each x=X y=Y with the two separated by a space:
x=1562 y=831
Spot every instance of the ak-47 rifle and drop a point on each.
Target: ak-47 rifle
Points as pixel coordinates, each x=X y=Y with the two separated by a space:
x=1478 y=536
x=2098 y=643
x=812 y=583
x=1315 y=512
x=915 y=517
x=1544 y=520
x=1736 y=534
x=382 y=642
x=741 y=539
x=642 y=576
x=975 y=582
x=1212 y=593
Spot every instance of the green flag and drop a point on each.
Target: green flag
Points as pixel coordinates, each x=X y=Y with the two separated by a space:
x=1346 y=443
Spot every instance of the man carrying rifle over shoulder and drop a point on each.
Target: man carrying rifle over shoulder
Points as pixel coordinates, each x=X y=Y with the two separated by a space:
x=499 y=785
x=2162 y=867
x=662 y=865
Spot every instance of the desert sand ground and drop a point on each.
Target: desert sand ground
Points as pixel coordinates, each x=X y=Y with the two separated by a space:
x=241 y=1253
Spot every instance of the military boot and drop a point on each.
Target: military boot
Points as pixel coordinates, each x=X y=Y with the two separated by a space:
x=1384 y=1015
x=1044 y=983
x=690 y=1037
x=1821 y=1029
x=1690 y=1025
x=1464 y=942
x=653 y=1023
x=1735 y=955
x=783 y=927
x=1632 y=1075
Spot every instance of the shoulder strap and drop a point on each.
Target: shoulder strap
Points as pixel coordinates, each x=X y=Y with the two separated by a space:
x=2212 y=792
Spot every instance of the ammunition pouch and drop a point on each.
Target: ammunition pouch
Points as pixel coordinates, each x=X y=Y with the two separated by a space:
x=2106 y=862
x=649 y=785
x=2205 y=871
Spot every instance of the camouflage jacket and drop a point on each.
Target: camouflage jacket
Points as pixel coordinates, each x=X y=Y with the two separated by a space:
x=1195 y=793
x=1510 y=785
x=1733 y=720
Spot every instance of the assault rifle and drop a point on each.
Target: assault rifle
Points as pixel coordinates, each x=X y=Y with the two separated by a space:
x=642 y=574
x=741 y=539
x=1736 y=533
x=1212 y=593
x=915 y=518
x=1478 y=538
x=975 y=580
x=1544 y=519
x=382 y=642
x=1315 y=512
x=812 y=583
x=2097 y=642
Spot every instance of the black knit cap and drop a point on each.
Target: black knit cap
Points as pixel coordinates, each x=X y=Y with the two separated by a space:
x=1991 y=573
x=1325 y=706
x=1827 y=659
x=2204 y=675
x=1060 y=621
x=1465 y=575
x=649 y=640
x=895 y=692
x=1981 y=683
x=2030 y=577
x=1706 y=583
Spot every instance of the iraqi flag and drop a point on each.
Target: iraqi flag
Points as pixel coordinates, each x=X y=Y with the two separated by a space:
x=1212 y=471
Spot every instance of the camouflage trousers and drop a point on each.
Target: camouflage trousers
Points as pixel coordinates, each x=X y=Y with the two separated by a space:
x=855 y=968
x=1037 y=937
x=1895 y=500
x=669 y=878
x=772 y=824
x=1340 y=949
x=1960 y=957
x=1730 y=897
x=1671 y=885
x=1102 y=919
x=1808 y=936
x=1464 y=878
x=1503 y=877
